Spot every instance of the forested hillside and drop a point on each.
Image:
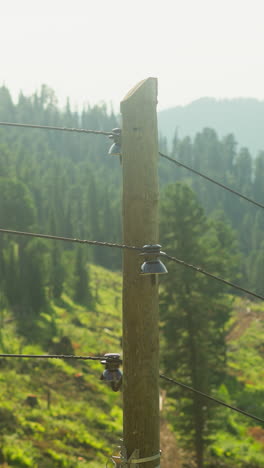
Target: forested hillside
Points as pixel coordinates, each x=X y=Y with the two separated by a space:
x=55 y=297
x=241 y=116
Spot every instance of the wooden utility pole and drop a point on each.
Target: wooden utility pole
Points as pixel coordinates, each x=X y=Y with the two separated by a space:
x=140 y=292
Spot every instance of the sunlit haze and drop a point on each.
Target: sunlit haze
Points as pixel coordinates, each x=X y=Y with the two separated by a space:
x=96 y=51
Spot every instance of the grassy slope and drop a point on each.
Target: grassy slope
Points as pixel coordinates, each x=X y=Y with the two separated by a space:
x=240 y=440
x=83 y=424
x=237 y=441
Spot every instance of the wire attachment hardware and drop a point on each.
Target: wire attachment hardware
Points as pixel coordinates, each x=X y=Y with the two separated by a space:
x=134 y=459
x=115 y=149
x=152 y=265
x=112 y=375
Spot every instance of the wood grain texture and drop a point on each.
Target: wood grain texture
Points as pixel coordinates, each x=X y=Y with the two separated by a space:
x=140 y=293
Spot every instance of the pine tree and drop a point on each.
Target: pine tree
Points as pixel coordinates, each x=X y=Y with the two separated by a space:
x=57 y=272
x=11 y=284
x=33 y=277
x=258 y=187
x=17 y=208
x=194 y=310
x=257 y=269
x=81 y=279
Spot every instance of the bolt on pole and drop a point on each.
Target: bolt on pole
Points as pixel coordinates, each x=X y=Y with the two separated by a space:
x=139 y=146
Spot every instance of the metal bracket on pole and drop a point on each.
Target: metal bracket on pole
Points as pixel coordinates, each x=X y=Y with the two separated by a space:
x=136 y=461
x=133 y=459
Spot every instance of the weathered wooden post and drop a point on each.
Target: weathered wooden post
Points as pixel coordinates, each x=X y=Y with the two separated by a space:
x=140 y=293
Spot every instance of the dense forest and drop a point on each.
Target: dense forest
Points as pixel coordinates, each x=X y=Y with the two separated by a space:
x=241 y=116
x=67 y=184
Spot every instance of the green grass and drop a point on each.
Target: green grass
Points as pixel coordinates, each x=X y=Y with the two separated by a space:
x=240 y=441
x=78 y=420
x=80 y=424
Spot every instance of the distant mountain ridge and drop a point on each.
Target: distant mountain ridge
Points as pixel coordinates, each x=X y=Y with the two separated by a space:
x=244 y=117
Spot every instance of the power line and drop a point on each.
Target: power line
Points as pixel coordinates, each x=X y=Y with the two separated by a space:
x=129 y=247
x=250 y=200
x=70 y=239
x=62 y=129
x=219 y=402
x=217 y=278
x=100 y=132
x=105 y=357
x=53 y=356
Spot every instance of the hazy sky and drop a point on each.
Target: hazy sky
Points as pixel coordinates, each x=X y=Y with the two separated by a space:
x=97 y=50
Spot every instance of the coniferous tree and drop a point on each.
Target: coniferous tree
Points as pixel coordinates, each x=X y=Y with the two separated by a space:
x=194 y=309
x=81 y=279
x=33 y=276
x=11 y=283
x=17 y=208
x=258 y=187
x=57 y=272
x=257 y=269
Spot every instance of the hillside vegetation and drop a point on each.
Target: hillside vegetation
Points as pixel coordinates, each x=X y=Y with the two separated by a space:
x=62 y=299
x=77 y=421
x=74 y=420
x=239 y=441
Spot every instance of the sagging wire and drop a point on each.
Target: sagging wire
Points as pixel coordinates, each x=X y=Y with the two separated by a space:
x=210 y=179
x=215 y=400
